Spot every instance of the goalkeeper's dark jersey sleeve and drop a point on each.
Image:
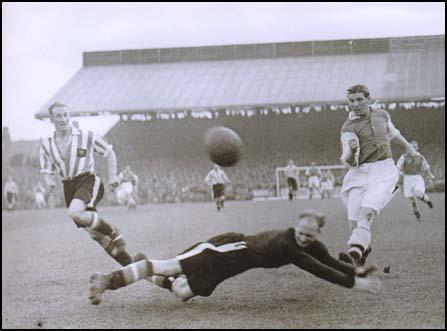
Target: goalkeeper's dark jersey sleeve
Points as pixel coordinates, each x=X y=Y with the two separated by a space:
x=273 y=249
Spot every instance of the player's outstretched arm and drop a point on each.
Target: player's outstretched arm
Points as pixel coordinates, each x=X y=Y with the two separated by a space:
x=320 y=270
x=111 y=169
x=320 y=252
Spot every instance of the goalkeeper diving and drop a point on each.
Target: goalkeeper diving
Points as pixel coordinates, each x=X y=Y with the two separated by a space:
x=201 y=268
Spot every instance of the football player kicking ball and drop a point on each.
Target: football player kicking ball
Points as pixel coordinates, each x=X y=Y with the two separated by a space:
x=201 y=268
x=411 y=168
x=369 y=184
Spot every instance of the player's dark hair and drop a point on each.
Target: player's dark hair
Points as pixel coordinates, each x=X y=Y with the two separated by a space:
x=319 y=217
x=359 y=88
x=54 y=105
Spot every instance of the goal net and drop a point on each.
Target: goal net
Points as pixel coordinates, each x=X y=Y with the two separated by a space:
x=282 y=188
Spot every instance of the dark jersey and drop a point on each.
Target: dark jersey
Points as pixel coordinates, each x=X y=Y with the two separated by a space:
x=413 y=165
x=208 y=264
x=373 y=132
x=273 y=249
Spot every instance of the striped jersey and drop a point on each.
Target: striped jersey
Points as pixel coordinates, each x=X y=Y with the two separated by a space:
x=216 y=177
x=78 y=158
x=412 y=165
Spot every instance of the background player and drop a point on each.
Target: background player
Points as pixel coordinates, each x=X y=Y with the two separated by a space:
x=293 y=177
x=200 y=269
x=369 y=184
x=11 y=194
x=217 y=178
x=313 y=183
x=412 y=168
x=128 y=188
x=69 y=151
x=327 y=184
x=39 y=196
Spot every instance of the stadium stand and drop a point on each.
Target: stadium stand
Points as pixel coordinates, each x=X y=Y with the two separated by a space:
x=170 y=160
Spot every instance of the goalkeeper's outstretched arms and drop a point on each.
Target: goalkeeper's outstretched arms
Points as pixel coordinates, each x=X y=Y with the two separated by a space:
x=355 y=278
x=320 y=252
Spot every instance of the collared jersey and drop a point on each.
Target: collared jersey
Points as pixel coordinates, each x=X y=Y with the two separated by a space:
x=373 y=132
x=78 y=158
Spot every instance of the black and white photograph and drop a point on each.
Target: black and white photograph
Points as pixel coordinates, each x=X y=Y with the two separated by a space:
x=223 y=165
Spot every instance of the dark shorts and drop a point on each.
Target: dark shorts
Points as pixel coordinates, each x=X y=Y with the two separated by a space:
x=9 y=197
x=292 y=182
x=208 y=264
x=85 y=187
x=218 y=190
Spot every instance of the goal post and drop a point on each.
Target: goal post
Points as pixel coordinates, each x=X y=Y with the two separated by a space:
x=337 y=170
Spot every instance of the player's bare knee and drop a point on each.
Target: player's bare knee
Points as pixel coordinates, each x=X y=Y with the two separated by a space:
x=367 y=213
x=352 y=225
x=78 y=217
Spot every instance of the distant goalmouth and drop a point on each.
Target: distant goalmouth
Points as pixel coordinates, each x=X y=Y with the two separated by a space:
x=282 y=188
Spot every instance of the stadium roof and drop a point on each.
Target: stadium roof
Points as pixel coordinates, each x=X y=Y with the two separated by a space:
x=216 y=77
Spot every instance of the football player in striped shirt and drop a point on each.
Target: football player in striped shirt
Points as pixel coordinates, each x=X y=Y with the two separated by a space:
x=369 y=184
x=69 y=153
x=201 y=268
x=412 y=168
x=217 y=178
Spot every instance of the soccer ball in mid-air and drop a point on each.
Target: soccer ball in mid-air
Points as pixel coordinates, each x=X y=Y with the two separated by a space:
x=223 y=146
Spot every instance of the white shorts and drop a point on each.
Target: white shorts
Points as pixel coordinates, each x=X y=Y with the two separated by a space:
x=370 y=186
x=124 y=191
x=413 y=184
x=314 y=181
x=40 y=198
x=327 y=185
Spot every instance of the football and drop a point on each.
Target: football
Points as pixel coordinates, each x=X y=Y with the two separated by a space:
x=223 y=145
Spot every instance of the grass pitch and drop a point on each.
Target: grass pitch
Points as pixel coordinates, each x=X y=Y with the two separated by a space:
x=47 y=261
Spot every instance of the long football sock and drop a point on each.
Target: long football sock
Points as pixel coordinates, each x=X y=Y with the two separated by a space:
x=424 y=198
x=130 y=274
x=100 y=225
x=415 y=207
x=123 y=258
